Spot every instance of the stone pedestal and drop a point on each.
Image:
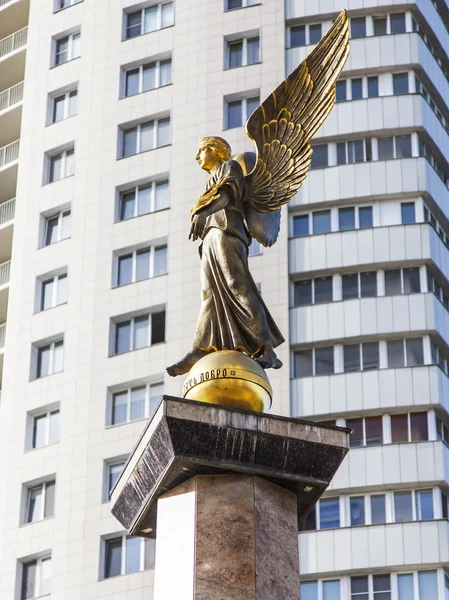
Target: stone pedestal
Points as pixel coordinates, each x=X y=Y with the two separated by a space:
x=227 y=537
x=223 y=491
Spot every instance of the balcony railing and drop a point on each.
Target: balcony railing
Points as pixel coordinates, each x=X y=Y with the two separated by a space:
x=9 y=153
x=11 y=96
x=4 y=2
x=5 y=269
x=2 y=335
x=7 y=211
x=13 y=42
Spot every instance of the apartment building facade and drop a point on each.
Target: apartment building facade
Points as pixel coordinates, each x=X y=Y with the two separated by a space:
x=101 y=107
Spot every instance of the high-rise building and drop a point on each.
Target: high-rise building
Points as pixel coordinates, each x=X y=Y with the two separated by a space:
x=99 y=285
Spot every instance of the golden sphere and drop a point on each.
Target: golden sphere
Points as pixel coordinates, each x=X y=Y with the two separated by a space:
x=229 y=378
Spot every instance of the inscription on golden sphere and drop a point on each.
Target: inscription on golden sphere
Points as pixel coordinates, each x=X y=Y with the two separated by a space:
x=229 y=378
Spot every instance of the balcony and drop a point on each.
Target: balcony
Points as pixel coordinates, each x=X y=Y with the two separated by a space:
x=393 y=546
x=7 y=212
x=11 y=97
x=9 y=154
x=12 y=52
x=12 y=43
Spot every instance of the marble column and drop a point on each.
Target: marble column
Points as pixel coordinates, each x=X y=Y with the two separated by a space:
x=227 y=537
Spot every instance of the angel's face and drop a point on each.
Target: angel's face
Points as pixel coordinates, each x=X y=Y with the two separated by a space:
x=206 y=158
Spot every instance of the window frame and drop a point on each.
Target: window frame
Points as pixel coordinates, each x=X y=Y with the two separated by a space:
x=134 y=253
x=148 y=410
x=113 y=462
x=38 y=591
x=153 y=199
x=70 y=47
x=157 y=62
x=31 y=431
x=159 y=27
x=132 y=320
x=51 y=346
x=66 y=107
x=60 y=214
x=63 y=154
x=155 y=123
x=55 y=290
x=58 y=7
x=245 y=4
x=244 y=114
x=123 y=537
x=43 y=486
x=244 y=41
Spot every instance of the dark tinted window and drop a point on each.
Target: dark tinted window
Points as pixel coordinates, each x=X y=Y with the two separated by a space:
x=399 y=428
x=370 y=353
x=351 y=358
x=400 y=83
x=365 y=217
x=385 y=148
x=321 y=221
x=408 y=212
x=378 y=513
x=324 y=361
x=412 y=284
x=303 y=363
x=341 y=91
x=357 y=88
x=319 y=156
x=158 y=327
x=309 y=523
x=373 y=87
x=414 y=350
x=329 y=513
x=323 y=289
x=350 y=285
x=300 y=225
x=403 y=146
x=374 y=431
x=341 y=153
x=395 y=351
x=358 y=27
x=418 y=427
x=314 y=33
x=297 y=36
x=403 y=510
x=368 y=284
x=380 y=26
x=346 y=218
x=392 y=282
x=303 y=292
x=356 y=438
x=397 y=23
x=357 y=509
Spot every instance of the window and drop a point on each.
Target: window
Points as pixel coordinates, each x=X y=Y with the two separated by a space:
x=300 y=225
x=36 y=578
x=366 y=431
x=145 y=136
x=409 y=427
x=408 y=213
x=341 y=95
x=53 y=291
x=320 y=156
x=141 y=264
x=135 y=403
x=364 y=355
x=233 y=4
x=424 y=505
x=40 y=502
x=403 y=507
x=67 y=48
x=397 y=23
x=385 y=148
x=353 y=152
x=329 y=513
x=381 y=587
x=403 y=353
x=302 y=35
x=58 y=227
x=321 y=221
x=240 y=53
x=358 y=27
x=403 y=146
x=400 y=83
x=373 y=87
x=357 y=510
x=378 y=512
x=357 y=88
x=380 y=25
x=313 y=291
x=126 y=554
x=60 y=4
x=319 y=361
x=64 y=106
x=50 y=359
x=359 y=285
x=238 y=111
x=139 y=332
x=330 y=590
x=147 y=77
x=309 y=590
x=143 y=199
x=44 y=429
x=113 y=471
x=346 y=218
x=402 y=281
x=61 y=165
x=149 y=19
x=427 y=584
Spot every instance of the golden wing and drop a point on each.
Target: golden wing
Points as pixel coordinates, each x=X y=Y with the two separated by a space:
x=284 y=124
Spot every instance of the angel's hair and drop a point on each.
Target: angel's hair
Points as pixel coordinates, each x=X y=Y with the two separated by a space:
x=220 y=146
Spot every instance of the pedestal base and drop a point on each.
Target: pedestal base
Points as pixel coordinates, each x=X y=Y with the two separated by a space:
x=227 y=537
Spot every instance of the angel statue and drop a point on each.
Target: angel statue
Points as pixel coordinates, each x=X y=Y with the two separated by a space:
x=243 y=198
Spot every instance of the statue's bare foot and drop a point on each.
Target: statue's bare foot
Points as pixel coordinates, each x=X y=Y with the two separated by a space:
x=186 y=363
x=269 y=360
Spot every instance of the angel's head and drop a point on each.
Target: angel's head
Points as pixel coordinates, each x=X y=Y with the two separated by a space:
x=212 y=152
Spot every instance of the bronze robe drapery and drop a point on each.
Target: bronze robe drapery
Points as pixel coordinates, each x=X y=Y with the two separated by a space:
x=233 y=315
